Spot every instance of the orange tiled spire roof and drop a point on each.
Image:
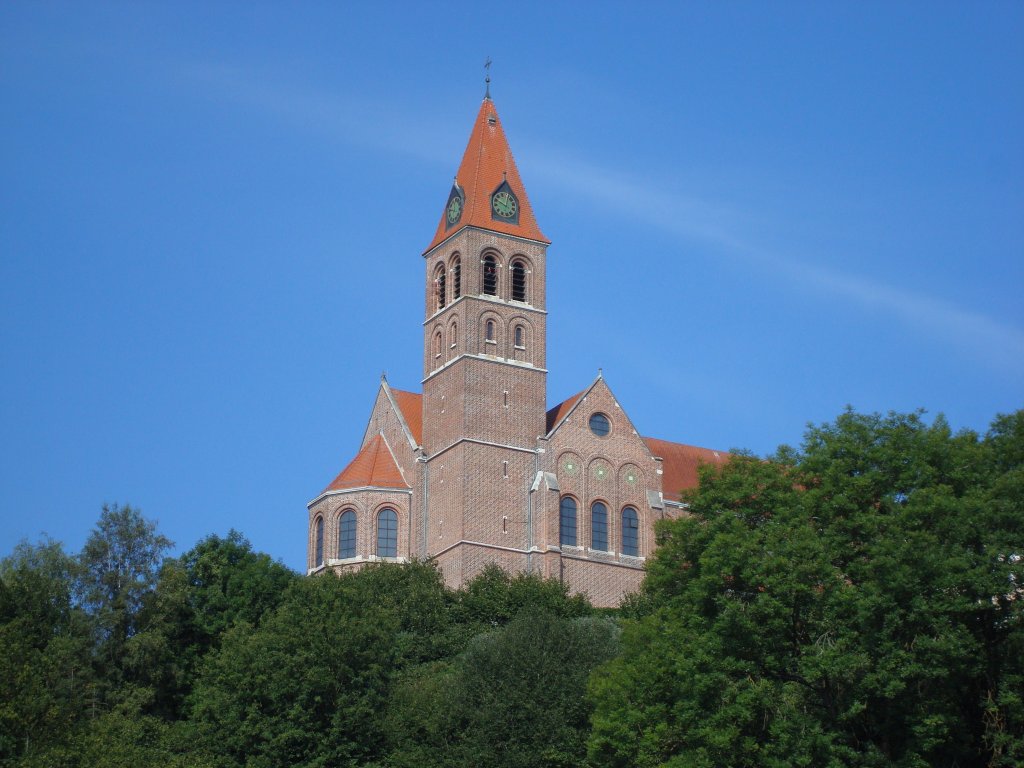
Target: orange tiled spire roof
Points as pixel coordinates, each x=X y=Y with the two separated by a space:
x=486 y=165
x=373 y=467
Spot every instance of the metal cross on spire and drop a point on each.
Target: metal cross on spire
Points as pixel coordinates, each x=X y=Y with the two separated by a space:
x=487 y=77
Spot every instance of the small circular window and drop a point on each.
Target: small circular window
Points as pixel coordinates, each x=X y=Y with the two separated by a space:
x=600 y=425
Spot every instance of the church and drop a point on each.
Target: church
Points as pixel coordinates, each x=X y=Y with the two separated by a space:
x=477 y=468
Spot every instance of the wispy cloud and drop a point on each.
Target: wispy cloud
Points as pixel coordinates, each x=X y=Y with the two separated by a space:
x=692 y=219
x=382 y=125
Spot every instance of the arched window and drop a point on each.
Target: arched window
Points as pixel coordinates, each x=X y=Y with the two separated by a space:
x=599 y=526
x=347 y=534
x=318 y=558
x=456 y=278
x=567 y=522
x=453 y=335
x=439 y=285
x=518 y=281
x=437 y=344
x=489 y=331
x=630 y=532
x=520 y=337
x=387 y=533
x=490 y=276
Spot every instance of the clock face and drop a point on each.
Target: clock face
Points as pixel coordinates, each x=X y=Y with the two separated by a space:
x=454 y=210
x=505 y=204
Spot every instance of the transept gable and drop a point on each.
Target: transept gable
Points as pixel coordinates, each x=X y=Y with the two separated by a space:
x=406 y=408
x=600 y=396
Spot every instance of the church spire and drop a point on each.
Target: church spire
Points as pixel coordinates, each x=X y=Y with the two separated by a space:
x=488 y=192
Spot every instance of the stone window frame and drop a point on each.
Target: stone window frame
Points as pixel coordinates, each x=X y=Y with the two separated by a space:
x=348 y=510
x=455 y=268
x=607 y=420
x=519 y=279
x=440 y=283
x=575 y=520
x=453 y=337
x=377 y=531
x=495 y=259
x=318 y=541
x=624 y=527
x=607 y=526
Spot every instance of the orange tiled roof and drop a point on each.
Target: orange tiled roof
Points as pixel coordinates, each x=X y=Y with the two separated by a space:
x=411 y=406
x=486 y=163
x=679 y=464
x=373 y=466
x=557 y=413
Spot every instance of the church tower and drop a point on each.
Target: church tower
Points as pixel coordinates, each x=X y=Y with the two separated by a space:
x=484 y=360
x=472 y=470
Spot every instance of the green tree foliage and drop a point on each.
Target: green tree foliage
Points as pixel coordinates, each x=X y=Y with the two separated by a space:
x=515 y=698
x=210 y=588
x=45 y=670
x=511 y=691
x=119 y=567
x=228 y=583
x=855 y=604
x=310 y=685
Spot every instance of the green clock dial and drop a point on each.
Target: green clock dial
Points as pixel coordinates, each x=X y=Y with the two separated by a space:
x=454 y=210
x=505 y=204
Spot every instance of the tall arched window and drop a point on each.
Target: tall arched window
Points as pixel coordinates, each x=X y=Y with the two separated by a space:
x=437 y=344
x=630 y=532
x=599 y=526
x=490 y=276
x=440 y=283
x=453 y=335
x=347 y=534
x=387 y=533
x=518 y=281
x=456 y=278
x=318 y=558
x=567 y=522
x=520 y=337
x=489 y=331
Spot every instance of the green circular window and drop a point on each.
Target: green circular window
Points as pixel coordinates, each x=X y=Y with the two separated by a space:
x=600 y=425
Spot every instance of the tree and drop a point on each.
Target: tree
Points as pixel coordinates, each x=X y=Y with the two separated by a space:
x=119 y=567
x=309 y=686
x=857 y=603
x=512 y=693
x=44 y=649
x=218 y=583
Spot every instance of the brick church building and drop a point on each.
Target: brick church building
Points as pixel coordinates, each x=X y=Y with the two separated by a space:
x=477 y=468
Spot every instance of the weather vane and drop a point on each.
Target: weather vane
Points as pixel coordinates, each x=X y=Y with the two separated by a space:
x=487 y=77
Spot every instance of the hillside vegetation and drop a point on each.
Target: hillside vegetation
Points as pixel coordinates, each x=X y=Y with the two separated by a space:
x=856 y=602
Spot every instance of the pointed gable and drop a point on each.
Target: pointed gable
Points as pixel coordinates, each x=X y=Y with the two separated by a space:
x=679 y=464
x=373 y=467
x=411 y=406
x=488 y=165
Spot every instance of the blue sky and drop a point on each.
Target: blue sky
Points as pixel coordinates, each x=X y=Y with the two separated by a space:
x=212 y=217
